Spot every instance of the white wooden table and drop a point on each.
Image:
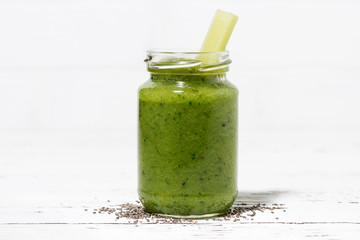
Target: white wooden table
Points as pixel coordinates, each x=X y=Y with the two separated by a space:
x=48 y=179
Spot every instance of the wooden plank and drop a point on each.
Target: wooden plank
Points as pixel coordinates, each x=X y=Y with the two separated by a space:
x=207 y=231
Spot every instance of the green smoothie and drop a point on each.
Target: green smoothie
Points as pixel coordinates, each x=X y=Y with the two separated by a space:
x=187 y=143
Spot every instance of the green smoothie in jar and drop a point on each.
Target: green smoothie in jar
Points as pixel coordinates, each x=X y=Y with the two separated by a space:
x=187 y=135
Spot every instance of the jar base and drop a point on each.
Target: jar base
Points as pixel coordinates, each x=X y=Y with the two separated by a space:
x=203 y=216
x=187 y=207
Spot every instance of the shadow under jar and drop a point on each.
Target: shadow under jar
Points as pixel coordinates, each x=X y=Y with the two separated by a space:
x=187 y=135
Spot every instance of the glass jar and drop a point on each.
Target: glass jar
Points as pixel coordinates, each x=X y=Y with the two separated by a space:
x=187 y=135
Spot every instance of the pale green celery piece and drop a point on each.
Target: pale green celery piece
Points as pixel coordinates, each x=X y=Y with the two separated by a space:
x=218 y=35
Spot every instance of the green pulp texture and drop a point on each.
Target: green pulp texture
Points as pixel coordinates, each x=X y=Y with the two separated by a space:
x=187 y=144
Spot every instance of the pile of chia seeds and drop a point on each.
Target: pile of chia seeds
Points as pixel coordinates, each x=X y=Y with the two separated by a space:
x=135 y=213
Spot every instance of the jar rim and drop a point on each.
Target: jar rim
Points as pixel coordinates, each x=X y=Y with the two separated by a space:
x=182 y=51
x=160 y=60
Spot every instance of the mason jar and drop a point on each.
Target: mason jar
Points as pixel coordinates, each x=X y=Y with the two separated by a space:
x=187 y=135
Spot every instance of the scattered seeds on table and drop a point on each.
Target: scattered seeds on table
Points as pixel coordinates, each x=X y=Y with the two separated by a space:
x=136 y=214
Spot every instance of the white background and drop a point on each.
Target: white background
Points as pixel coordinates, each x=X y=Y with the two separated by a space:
x=69 y=72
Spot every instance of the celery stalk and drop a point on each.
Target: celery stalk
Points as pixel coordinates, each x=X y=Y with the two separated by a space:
x=218 y=34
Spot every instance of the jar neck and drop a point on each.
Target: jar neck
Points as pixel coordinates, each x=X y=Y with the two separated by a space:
x=174 y=77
